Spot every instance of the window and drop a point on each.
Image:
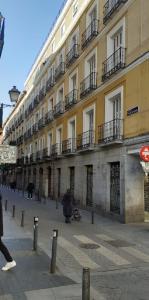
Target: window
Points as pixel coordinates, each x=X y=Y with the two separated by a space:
x=73 y=82
x=53 y=46
x=50 y=104
x=91 y=63
x=116 y=38
x=114 y=105
x=75 y=9
x=59 y=140
x=60 y=95
x=49 y=143
x=92 y=14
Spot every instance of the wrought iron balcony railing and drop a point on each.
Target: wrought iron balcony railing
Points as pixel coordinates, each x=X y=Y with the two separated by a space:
x=41 y=123
x=72 y=55
x=88 y=84
x=110 y=7
x=20 y=140
x=36 y=101
x=71 y=98
x=111 y=131
x=60 y=70
x=56 y=150
x=91 y=32
x=35 y=128
x=47 y=153
x=86 y=140
x=114 y=63
x=41 y=94
x=69 y=146
x=49 y=117
x=50 y=83
x=58 y=109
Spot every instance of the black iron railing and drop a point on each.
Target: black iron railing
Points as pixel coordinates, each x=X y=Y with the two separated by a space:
x=35 y=128
x=50 y=83
x=72 y=55
x=58 y=109
x=110 y=7
x=47 y=153
x=91 y=31
x=60 y=70
x=56 y=149
x=71 y=98
x=41 y=123
x=49 y=117
x=86 y=140
x=114 y=63
x=36 y=101
x=69 y=146
x=88 y=84
x=110 y=131
x=41 y=93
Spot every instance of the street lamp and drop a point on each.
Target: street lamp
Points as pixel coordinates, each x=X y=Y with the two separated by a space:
x=14 y=95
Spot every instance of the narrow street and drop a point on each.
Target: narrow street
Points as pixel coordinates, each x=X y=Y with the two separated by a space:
x=117 y=254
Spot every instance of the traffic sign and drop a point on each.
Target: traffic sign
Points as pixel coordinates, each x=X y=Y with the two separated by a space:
x=144 y=153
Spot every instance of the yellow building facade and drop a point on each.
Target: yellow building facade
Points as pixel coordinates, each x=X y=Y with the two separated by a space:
x=84 y=113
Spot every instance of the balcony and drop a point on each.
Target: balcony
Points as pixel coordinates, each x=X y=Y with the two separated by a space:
x=20 y=140
x=111 y=132
x=72 y=55
x=69 y=146
x=58 y=109
x=60 y=70
x=110 y=7
x=50 y=83
x=114 y=63
x=85 y=141
x=35 y=128
x=46 y=153
x=49 y=117
x=91 y=32
x=41 y=94
x=71 y=99
x=41 y=123
x=56 y=150
x=39 y=155
x=36 y=101
x=88 y=84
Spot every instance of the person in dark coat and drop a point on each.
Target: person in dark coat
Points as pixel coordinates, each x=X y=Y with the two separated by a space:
x=67 y=203
x=10 y=262
x=30 y=189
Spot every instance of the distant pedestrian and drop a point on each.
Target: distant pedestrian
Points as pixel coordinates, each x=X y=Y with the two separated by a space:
x=30 y=189
x=67 y=203
x=10 y=262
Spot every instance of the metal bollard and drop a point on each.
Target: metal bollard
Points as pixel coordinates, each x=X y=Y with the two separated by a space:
x=13 y=211
x=35 y=234
x=22 y=219
x=54 y=251
x=86 y=284
x=6 y=205
x=92 y=216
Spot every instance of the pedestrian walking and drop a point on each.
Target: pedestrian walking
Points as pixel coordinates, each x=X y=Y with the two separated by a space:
x=30 y=189
x=10 y=262
x=67 y=203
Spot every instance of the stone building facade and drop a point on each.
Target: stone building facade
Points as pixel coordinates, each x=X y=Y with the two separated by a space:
x=84 y=112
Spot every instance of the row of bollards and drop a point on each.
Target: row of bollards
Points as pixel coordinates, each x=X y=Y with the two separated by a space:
x=86 y=271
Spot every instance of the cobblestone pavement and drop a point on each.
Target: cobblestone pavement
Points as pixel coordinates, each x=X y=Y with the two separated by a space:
x=117 y=255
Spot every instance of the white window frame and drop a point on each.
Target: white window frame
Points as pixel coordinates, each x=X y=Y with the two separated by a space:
x=108 y=103
x=89 y=11
x=110 y=35
x=75 y=7
x=75 y=72
x=86 y=65
x=69 y=127
x=85 y=111
x=57 y=94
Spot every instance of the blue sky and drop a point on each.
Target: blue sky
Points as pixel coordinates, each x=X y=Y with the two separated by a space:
x=27 y=25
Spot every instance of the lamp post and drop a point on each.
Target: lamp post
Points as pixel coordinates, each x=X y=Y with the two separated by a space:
x=13 y=94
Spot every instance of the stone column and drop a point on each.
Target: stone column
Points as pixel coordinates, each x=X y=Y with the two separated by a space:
x=133 y=190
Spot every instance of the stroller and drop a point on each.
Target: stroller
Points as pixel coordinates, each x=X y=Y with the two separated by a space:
x=76 y=216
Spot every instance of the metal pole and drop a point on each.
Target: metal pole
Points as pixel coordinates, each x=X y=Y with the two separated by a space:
x=92 y=216
x=35 y=233
x=13 y=211
x=54 y=251
x=6 y=205
x=22 y=219
x=86 y=284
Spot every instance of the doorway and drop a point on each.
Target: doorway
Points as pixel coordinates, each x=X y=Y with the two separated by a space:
x=115 y=187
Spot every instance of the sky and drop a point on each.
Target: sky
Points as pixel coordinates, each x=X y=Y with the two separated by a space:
x=27 y=24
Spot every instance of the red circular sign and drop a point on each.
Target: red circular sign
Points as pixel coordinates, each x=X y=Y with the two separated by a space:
x=144 y=153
